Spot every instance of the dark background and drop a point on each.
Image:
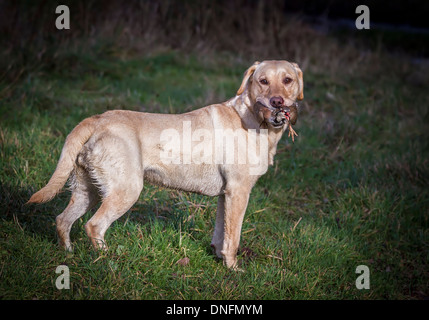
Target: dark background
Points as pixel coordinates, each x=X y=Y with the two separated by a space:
x=398 y=13
x=221 y=25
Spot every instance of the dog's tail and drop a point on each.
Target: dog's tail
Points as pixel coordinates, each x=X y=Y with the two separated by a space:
x=74 y=143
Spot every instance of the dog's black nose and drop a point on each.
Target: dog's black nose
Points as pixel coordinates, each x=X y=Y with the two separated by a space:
x=276 y=102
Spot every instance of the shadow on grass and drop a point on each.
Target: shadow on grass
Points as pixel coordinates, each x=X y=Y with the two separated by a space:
x=167 y=208
x=36 y=219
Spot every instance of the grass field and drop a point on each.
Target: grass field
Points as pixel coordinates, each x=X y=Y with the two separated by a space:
x=352 y=190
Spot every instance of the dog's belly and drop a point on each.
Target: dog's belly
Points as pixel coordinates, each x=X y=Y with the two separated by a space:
x=202 y=179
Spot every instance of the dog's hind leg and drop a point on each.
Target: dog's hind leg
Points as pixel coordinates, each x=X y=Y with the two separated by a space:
x=112 y=208
x=114 y=162
x=84 y=197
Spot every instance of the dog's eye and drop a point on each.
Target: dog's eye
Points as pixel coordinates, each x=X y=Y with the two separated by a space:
x=287 y=80
x=263 y=81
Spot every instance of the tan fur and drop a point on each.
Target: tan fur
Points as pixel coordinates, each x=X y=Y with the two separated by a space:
x=73 y=145
x=109 y=156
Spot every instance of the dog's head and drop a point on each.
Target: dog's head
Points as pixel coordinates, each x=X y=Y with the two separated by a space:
x=273 y=88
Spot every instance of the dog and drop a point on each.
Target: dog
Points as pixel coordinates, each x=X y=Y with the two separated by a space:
x=107 y=157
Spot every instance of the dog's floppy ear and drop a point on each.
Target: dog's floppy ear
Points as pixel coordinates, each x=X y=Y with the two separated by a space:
x=300 y=81
x=249 y=72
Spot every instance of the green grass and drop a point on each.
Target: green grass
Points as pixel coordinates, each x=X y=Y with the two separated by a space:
x=352 y=190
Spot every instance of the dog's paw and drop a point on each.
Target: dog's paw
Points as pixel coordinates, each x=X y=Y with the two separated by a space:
x=238 y=269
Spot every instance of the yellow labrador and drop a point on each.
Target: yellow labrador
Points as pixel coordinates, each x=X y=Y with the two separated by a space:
x=219 y=150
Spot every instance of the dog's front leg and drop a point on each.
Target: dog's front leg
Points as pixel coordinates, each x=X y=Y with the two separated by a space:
x=218 y=235
x=235 y=205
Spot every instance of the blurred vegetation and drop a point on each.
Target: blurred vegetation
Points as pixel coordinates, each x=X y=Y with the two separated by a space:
x=352 y=189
